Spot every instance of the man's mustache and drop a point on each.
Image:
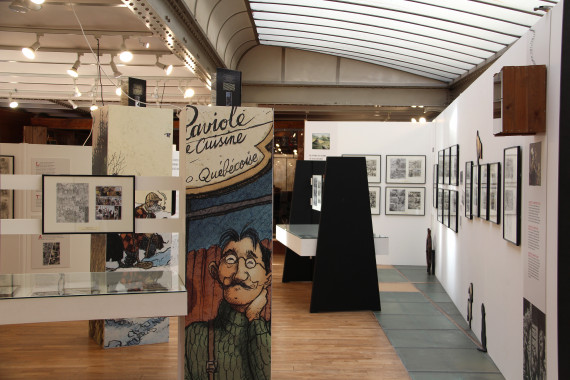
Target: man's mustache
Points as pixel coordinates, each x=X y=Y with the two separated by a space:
x=236 y=282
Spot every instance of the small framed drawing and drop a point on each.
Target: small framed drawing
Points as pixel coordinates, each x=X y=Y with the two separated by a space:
x=484 y=191
x=440 y=166
x=476 y=191
x=495 y=192
x=446 y=207
x=468 y=190
x=86 y=204
x=512 y=195
x=373 y=168
x=374 y=194
x=435 y=171
x=406 y=169
x=454 y=165
x=446 y=166
x=6 y=196
x=405 y=201
x=440 y=205
x=453 y=208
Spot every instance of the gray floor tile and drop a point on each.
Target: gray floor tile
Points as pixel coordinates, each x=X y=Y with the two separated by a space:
x=390 y=275
x=448 y=307
x=455 y=376
x=414 y=322
x=429 y=339
x=404 y=267
x=401 y=297
x=410 y=308
x=462 y=322
x=438 y=297
x=418 y=275
x=446 y=360
x=437 y=288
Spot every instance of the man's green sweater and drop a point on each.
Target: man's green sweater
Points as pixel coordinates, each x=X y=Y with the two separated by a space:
x=242 y=349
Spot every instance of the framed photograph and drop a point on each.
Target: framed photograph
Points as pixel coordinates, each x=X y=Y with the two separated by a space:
x=446 y=207
x=435 y=171
x=440 y=164
x=484 y=191
x=447 y=166
x=440 y=205
x=406 y=169
x=476 y=191
x=86 y=204
x=512 y=194
x=453 y=209
x=495 y=192
x=469 y=189
x=317 y=192
x=373 y=168
x=374 y=194
x=6 y=196
x=454 y=165
x=405 y=201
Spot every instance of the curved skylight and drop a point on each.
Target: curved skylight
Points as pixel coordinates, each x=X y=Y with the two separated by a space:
x=433 y=38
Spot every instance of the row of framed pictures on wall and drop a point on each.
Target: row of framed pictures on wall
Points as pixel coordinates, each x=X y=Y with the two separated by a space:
x=398 y=200
x=400 y=169
x=447 y=167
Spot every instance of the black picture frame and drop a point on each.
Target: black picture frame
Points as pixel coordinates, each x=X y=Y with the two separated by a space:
x=137 y=92
x=495 y=192
x=409 y=201
x=6 y=195
x=484 y=191
x=447 y=166
x=446 y=207
x=435 y=184
x=475 y=205
x=88 y=204
x=512 y=179
x=454 y=165
x=375 y=200
x=406 y=169
x=453 y=210
x=373 y=166
x=440 y=167
x=469 y=189
x=440 y=206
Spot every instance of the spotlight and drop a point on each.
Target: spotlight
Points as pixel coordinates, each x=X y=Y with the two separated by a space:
x=125 y=55
x=414 y=120
x=73 y=71
x=23 y=6
x=116 y=72
x=30 y=52
x=76 y=91
x=13 y=103
x=72 y=104
x=118 y=91
x=93 y=106
x=422 y=119
x=188 y=93
x=167 y=69
x=38 y=1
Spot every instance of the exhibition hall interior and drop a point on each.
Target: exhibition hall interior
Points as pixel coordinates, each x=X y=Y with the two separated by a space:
x=284 y=189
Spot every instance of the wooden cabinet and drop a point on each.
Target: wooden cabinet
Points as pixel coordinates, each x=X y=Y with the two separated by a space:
x=519 y=100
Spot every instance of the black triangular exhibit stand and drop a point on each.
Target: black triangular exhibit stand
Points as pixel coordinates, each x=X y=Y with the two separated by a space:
x=345 y=276
x=295 y=267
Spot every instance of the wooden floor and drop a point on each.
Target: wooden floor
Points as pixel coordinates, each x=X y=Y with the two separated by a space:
x=348 y=345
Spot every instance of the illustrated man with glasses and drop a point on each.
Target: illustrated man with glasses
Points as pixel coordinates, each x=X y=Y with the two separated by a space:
x=236 y=344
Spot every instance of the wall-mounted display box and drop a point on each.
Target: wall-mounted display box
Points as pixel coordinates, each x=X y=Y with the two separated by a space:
x=519 y=100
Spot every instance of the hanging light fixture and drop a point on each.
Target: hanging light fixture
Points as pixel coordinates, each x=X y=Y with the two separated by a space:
x=30 y=52
x=73 y=71
x=125 y=55
x=72 y=104
x=13 y=103
x=76 y=91
x=116 y=72
x=167 y=69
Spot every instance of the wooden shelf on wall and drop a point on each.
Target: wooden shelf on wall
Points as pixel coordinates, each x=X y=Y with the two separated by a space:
x=519 y=100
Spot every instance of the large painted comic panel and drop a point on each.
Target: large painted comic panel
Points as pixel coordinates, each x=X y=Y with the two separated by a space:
x=229 y=231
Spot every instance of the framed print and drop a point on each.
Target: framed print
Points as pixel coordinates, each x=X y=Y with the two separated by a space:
x=512 y=194
x=435 y=171
x=446 y=166
x=405 y=200
x=440 y=205
x=317 y=192
x=495 y=192
x=6 y=196
x=372 y=166
x=454 y=165
x=469 y=189
x=446 y=207
x=453 y=209
x=374 y=194
x=440 y=164
x=484 y=191
x=476 y=191
x=85 y=204
x=406 y=169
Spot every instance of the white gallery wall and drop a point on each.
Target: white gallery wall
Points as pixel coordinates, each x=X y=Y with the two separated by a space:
x=407 y=234
x=478 y=253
